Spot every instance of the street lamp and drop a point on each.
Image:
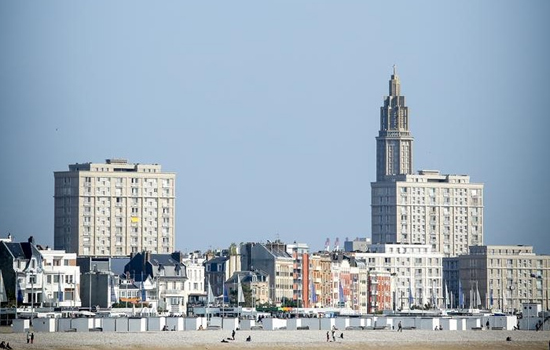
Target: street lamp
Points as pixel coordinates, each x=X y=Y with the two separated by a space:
x=90 y=287
x=32 y=295
x=393 y=290
x=90 y=290
x=17 y=291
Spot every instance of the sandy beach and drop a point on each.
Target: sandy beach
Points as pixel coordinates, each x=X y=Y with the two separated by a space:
x=283 y=339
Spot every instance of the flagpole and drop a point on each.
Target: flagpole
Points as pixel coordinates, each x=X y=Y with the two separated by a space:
x=16 y=288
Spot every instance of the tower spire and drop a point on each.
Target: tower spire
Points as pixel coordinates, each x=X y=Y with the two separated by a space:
x=395 y=84
x=394 y=141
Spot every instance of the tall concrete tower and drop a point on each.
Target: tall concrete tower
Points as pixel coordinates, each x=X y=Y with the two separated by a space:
x=394 y=144
x=428 y=207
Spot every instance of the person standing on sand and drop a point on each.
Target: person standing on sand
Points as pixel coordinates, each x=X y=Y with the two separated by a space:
x=233 y=335
x=328 y=337
x=28 y=337
x=32 y=338
x=399 y=328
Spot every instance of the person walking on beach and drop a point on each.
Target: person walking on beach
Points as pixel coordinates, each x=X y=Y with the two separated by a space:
x=399 y=328
x=487 y=325
x=233 y=335
x=333 y=337
x=328 y=336
x=32 y=338
x=28 y=337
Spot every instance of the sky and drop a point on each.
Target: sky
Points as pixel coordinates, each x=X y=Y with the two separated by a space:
x=268 y=111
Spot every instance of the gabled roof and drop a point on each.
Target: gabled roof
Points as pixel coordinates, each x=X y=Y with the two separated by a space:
x=22 y=250
x=15 y=250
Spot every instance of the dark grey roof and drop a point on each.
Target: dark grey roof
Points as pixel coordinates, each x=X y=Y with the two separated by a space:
x=163 y=259
x=277 y=250
x=22 y=250
x=280 y=254
x=217 y=260
x=16 y=250
x=118 y=264
x=246 y=277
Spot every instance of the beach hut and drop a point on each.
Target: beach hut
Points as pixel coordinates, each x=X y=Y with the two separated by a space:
x=20 y=325
x=358 y=322
x=122 y=324
x=176 y=323
x=247 y=324
x=194 y=323
x=156 y=324
x=272 y=324
x=82 y=324
x=473 y=323
x=448 y=324
x=137 y=324
x=312 y=323
x=341 y=322
x=230 y=324
x=108 y=324
x=44 y=325
x=327 y=323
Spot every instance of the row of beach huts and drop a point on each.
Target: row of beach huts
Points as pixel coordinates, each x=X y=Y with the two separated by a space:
x=154 y=324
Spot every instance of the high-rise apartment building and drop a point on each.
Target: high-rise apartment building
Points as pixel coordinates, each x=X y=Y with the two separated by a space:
x=501 y=277
x=114 y=209
x=445 y=211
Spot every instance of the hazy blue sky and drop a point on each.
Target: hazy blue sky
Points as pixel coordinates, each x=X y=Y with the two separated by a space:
x=268 y=111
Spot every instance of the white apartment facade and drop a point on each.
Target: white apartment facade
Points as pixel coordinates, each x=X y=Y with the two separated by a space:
x=416 y=272
x=194 y=285
x=60 y=278
x=504 y=276
x=114 y=208
x=37 y=276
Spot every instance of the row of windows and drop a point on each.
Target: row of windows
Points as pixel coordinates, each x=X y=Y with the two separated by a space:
x=106 y=181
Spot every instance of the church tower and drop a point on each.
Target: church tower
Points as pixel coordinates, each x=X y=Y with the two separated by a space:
x=394 y=144
x=444 y=211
